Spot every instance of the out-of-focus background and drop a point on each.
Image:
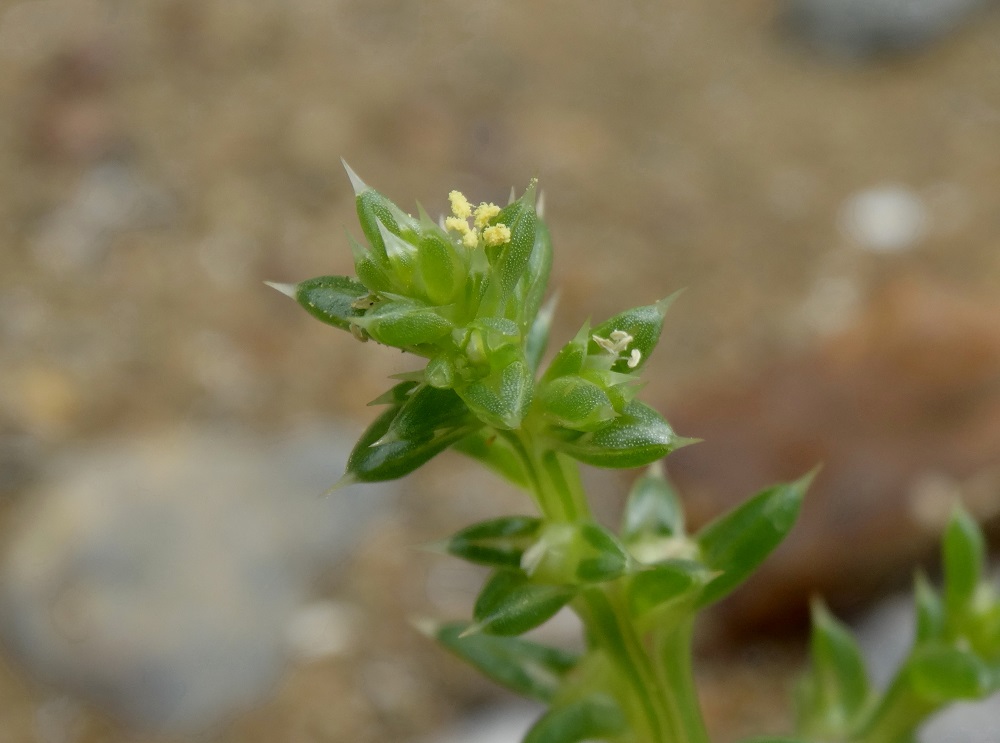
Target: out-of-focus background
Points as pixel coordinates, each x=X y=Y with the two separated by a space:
x=821 y=175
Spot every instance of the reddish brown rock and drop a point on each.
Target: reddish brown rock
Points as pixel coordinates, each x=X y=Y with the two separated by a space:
x=903 y=412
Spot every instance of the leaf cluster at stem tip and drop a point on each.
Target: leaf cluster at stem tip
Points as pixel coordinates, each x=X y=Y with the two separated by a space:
x=465 y=293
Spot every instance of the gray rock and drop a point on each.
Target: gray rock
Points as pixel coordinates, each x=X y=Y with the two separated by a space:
x=858 y=28
x=500 y=724
x=157 y=576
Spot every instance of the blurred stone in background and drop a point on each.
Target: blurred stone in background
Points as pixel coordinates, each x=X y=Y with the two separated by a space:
x=160 y=576
x=861 y=28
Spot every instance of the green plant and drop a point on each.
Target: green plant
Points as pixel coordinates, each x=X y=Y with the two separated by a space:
x=468 y=299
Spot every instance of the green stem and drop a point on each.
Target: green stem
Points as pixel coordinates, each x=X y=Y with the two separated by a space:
x=673 y=656
x=897 y=716
x=555 y=480
x=610 y=628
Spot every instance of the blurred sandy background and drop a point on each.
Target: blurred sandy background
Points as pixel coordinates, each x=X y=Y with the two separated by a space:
x=166 y=420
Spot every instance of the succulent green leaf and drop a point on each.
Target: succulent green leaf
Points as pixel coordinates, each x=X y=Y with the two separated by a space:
x=331 y=299
x=593 y=718
x=576 y=553
x=510 y=604
x=840 y=681
x=395 y=395
x=738 y=541
x=964 y=554
x=941 y=673
x=570 y=358
x=426 y=411
x=637 y=437
x=375 y=212
x=663 y=585
x=510 y=264
x=441 y=269
x=404 y=324
x=653 y=508
x=501 y=400
x=496 y=453
x=370 y=273
x=603 y=557
x=440 y=372
x=499 y=543
x=531 y=288
x=576 y=403
x=929 y=609
x=644 y=324
x=530 y=669
x=371 y=461
x=537 y=339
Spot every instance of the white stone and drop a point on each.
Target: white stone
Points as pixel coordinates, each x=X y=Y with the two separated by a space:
x=884 y=219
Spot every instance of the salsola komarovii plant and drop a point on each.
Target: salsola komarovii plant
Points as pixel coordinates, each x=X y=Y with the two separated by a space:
x=466 y=296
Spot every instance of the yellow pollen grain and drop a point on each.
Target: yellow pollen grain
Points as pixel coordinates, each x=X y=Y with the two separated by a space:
x=471 y=238
x=484 y=213
x=457 y=224
x=498 y=234
x=460 y=205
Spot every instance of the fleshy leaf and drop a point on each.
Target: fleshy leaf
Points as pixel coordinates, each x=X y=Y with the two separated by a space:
x=839 y=681
x=530 y=669
x=644 y=324
x=441 y=271
x=510 y=604
x=576 y=403
x=404 y=324
x=576 y=553
x=637 y=437
x=501 y=399
x=375 y=212
x=571 y=357
x=964 y=554
x=427 y=411
x=373 y=462
x=929 y=610
x=537 y=339
x=593 y=718
x=331 y=299
x=940 y=673
x=499 y=543
x=512 y=260
x=531 y=288
x=664 y=584
x=653 y=508
x=738 y=541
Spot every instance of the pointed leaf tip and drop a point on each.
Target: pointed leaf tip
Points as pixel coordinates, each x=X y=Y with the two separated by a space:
x=664 y=304
x=346 y=479
x=425 y=626
x=357 y=184
x=287 y=289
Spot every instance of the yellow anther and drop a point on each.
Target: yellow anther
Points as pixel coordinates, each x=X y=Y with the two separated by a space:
x=498 y=234
x=471 y=238
x=457 y=224
x=484 y=213
x=460 y=205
